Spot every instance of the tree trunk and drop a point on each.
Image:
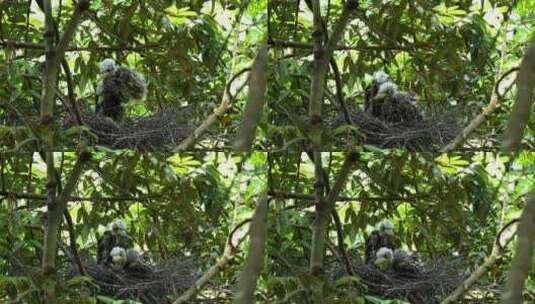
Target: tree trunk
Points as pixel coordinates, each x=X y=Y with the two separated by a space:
x=521 y=264
x=255 y=255
x=55 y=208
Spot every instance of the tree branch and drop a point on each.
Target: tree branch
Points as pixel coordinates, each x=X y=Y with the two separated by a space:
x=309 y=197
x=53 y=55
x=322 y=56
x=72 y=242
x=521 y=111
x=323 y=211
x=482 y=117
x=226 y=104
x=495 y=254
x=252 y=113
x=474 y=124
x=115 y=48
x=228 y=254
x=523 y=258
x=55 y=209
x=254 y=261
x=308 y=46
x=37 y=197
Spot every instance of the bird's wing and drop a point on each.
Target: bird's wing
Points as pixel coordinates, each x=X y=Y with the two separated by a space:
x=104 y=246
x=372 y=245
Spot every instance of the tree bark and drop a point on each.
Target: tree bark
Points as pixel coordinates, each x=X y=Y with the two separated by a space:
x=252 y=113
x=323 y=212
x=56 y=205
x=523 y=258
x=519 y=118
x=255 y=255
x=322 y=56
x=53 y=56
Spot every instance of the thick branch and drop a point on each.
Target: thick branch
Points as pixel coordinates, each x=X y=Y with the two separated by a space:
x=35 y=46
x=309 y=197
x=322 y=56
x=53 y=54
x=252 y=113
x=255 y=255
x=525 y=83
x=522 y=261
x=319 y=227
x=55 y=211
x=308 y=46
x=226 y=104
x=497 y=251
x=474 y=124
x=228 y=255
x=37 y=197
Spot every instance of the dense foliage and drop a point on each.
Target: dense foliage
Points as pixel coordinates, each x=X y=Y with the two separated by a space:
x=185 y=207
x=242 y=176
x=452 y=55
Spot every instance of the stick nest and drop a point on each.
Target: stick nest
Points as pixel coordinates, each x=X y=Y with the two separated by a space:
x=400 y=127
x=163 y=130
x=158 y=285
x=433 y=281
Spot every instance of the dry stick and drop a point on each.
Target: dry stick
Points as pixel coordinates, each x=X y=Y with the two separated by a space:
x=323 y=212
x=496 y=253
x=255 y=104
x=226 y=104
x=255 y=255
x=525 y=83
x=474 y=124
x=228 y=254
x=521 y=264
x=207 y=276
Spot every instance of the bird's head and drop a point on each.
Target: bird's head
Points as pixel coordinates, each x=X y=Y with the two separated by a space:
x=118 y=227
x=386 y=227
x=401 y=254
x=384 y=258
x=380 y=77
x=107 y=66
x=118 y=255
x=132 y=256
x=387 y=88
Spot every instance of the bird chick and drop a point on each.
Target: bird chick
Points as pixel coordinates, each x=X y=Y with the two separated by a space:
x=386 y=227
x=118 y=256
x=380 y=77
x=384 y=258
x=118 y=226
x=387 y=88
x=118 y=85
x=107 y=66
x=132 y=257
